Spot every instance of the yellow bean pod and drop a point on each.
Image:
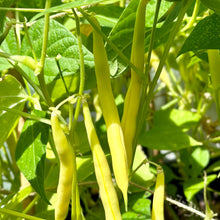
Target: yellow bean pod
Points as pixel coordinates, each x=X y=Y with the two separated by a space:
x=103 y=174
x=132 y=99
x=110 y=114
x=65 y=155
x=158 y=199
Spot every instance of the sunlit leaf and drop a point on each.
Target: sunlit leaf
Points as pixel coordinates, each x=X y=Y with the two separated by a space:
x=12 y=96
x=31 y=153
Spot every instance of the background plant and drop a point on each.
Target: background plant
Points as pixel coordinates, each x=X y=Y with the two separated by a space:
x=45 y=52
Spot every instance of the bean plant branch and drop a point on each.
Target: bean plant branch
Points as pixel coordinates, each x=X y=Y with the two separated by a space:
x=39 y=71
x=150 y=89
x=25 y=115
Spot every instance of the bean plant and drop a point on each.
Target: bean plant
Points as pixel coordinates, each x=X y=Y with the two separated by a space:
x=109 y=109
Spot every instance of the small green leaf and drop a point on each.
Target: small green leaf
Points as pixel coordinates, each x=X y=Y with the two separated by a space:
x=13 y=96
x=200 y=159
x=206 y=35
x=31 y=152
x=139 y=207
x=194 y=185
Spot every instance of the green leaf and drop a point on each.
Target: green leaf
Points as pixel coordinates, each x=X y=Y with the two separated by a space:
x=85 y=167
x=60 y=42
x=142 y=176
x=200 y=159
x=31 y=153
x=206 y=35
x=167 y=132
x=107 y=15
x=13 y=96
x=194 y=185
x=139 y=207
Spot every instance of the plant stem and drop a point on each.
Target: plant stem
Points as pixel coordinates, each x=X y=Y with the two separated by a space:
x=76 y=208
x=25 y=115
x=194 y=16
x=39 y=71
x=22 y=9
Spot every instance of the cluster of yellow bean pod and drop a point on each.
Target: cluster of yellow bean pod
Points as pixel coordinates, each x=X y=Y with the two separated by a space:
x=132 y=99
x=65 y=155
x=158 y=199
x=110 y=114
x=103 y=174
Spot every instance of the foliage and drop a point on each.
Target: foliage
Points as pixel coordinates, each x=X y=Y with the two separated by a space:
x=177 y=125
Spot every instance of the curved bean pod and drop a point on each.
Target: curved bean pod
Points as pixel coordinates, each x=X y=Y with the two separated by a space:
x=110 y=114
x=103 y=174
x=65 y=155
x=133 y=96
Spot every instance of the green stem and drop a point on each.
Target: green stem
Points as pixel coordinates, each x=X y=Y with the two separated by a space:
x=82 y=72
x=152 y=39
x=39 y=71
x=113 y=46
x=22 y=9
x=61 y=75
x=76 y=208
x=25 y=115
x=29 y=40
x=5 y=33
x=18 y=214
x=194 y=16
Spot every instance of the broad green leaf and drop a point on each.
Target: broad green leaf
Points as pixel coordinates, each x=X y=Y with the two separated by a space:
x=139 y=207
x=167 y=138
x=167 y=132
x=181 y=118
x=206 y=35
x=73 y=4
x=13 y=96
x=194 y=185
x=31 y=152
x=60 y=42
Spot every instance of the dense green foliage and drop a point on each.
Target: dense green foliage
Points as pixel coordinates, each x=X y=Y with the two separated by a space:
x=178 y=112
